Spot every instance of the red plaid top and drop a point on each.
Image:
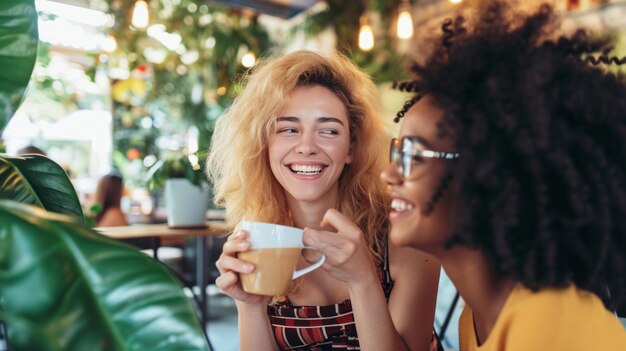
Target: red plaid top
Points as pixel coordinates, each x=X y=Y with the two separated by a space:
x=320 y=328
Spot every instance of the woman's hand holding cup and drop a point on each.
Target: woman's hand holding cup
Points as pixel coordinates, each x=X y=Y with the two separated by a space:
x=230 y=267
x=347 y=254
x=274 y=250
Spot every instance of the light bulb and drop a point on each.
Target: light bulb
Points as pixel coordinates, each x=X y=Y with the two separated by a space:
x=248 y=59
x=455 y=1
x=110 y=44
x=366 y=36
x=140 y=17
x=405 y=23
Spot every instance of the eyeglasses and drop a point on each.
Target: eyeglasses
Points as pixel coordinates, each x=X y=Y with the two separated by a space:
x=409 y=152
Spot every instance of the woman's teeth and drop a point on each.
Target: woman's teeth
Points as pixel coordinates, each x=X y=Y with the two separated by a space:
x=400 y=205
x=301 y=169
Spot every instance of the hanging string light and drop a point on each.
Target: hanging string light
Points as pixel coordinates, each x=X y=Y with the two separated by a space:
x=366 y=36
x=110 y=44
x=140 y=17
x=248 y=59
x=405 y=20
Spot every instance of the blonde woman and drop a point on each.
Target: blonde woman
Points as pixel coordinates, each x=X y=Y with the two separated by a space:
x=301 y=146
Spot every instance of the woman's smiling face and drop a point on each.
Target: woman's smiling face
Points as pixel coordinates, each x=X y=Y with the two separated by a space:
x=310 y=145
x=417 y=218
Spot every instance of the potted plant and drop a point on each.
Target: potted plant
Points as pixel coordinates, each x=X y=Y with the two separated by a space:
x=186 y=190
x=62 y=285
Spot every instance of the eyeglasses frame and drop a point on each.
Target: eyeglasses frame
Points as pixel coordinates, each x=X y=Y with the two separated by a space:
x=409 y=151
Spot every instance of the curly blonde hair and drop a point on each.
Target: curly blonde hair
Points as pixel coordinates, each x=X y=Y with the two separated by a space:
x=238 y=161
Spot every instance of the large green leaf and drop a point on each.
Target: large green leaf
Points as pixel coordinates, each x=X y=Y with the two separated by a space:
x=18 y=50
x=66 y=287
x=39 y=181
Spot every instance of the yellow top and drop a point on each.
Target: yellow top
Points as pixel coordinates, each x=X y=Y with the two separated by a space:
x=566 y=319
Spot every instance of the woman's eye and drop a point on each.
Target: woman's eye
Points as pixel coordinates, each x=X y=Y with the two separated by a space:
x=329 y=132
x=287 y=131
x=417 y=159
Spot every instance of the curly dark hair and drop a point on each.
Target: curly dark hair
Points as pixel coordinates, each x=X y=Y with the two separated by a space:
x=540 y=122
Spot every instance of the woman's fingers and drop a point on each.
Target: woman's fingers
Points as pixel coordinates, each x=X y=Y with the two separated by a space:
x=228 y=259
x=337 y=248
x=346 y=236
x=228 y=283
x=234 y=244
x=347 y=254
x=238 y=235
x=230 y=267
x=229 y=263
x=333 y=245
x=322 y=240
x=336 y=220
x=232 y=247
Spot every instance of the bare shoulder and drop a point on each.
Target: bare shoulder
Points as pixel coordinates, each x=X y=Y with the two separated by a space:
x=113 y=217
x=407 y=260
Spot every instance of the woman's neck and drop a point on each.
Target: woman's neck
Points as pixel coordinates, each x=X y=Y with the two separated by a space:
x=479 y=286
x=309 y=213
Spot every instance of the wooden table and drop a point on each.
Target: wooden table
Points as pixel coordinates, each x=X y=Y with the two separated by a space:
x=162 y=231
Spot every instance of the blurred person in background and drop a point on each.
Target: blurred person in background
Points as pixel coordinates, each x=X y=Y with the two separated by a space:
x=30 y=149
x=107 y=201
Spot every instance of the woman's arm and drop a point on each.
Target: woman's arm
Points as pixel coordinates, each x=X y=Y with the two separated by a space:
x=255 y=332
x=411 y=304
x=406 y=323
x=413 y=299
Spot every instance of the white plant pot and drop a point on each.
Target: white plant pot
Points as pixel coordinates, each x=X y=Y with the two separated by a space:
x=186 y=203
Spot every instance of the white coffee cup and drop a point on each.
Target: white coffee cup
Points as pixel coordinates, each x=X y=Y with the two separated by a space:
x=274 y=251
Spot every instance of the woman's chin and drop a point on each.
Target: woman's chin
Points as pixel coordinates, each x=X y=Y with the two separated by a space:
x=402 y=234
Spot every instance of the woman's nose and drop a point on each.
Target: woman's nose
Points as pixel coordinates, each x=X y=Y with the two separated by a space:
x=390 y=174
x=307 y=145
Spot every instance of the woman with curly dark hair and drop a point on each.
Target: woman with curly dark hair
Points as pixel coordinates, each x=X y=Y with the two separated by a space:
x=511 y=169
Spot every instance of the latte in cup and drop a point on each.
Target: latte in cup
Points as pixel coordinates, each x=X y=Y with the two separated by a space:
x=274 y=251
x=274 y=268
